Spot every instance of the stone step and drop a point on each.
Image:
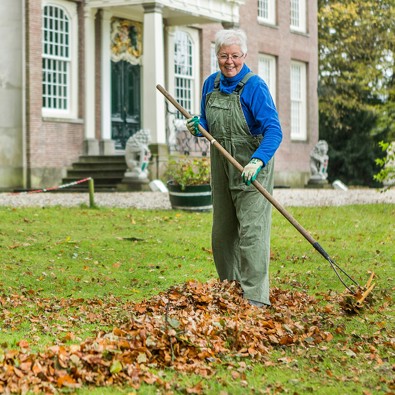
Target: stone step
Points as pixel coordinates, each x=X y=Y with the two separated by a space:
x=102 y=159
x=102 y=173
x=94 y=165
x=108 y=172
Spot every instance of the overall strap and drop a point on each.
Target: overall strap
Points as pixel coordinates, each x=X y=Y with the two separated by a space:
x=242 y=83
x=216 y=81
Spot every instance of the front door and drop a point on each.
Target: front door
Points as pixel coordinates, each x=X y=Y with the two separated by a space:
x=125 y=101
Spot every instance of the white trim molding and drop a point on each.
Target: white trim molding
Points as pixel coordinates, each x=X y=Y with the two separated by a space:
x=298 y=113
x=298 y=16
x=267 y=70
x=69 y=75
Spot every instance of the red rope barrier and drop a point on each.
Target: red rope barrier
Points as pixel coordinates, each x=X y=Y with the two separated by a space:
x=53 y=188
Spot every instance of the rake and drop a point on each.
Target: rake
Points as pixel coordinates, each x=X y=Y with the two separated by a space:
x=358 y=295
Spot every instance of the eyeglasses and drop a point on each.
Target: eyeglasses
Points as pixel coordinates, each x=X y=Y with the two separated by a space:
x=223 y=57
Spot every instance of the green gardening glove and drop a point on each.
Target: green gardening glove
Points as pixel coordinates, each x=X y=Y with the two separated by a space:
x=251 y=171
x=193 y=125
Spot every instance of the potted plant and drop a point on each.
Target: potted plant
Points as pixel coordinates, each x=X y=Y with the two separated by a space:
x=189 y=183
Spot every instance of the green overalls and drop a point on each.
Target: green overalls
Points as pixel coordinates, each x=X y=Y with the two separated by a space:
x=241 y=215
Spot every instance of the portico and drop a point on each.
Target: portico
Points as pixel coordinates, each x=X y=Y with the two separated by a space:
x=156 y=19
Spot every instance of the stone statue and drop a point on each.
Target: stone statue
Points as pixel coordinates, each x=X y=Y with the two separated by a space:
x=137 y=154
x=319 y=161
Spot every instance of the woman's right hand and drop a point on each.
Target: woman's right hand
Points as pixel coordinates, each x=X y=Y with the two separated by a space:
x=192 y=125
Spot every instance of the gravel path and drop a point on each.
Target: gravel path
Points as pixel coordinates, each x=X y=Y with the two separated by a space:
x=160 y=200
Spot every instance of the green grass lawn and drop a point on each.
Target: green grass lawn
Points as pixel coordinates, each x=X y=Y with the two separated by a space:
x=70 y=273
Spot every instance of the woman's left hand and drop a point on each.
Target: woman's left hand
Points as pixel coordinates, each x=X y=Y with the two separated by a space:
x=251 y=171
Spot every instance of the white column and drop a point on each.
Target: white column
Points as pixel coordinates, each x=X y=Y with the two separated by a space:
x=91 y=143
x=106 y=144
x=153 y=73
x=170 y=36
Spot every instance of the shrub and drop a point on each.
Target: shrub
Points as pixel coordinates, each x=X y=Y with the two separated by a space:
x=188 y=170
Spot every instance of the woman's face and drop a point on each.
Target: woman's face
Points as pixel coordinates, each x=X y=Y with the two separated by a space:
x=230 y=60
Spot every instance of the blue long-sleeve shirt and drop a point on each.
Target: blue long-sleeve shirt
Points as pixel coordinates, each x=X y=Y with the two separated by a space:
x=258 y=107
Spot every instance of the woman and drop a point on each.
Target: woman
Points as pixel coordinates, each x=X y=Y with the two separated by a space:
x=238 y=111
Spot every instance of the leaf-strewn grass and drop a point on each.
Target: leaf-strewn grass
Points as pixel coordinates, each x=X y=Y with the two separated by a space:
x=68 y=273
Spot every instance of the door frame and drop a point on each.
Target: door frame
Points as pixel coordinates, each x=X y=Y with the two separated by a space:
x=128 y=98
x=107 y=17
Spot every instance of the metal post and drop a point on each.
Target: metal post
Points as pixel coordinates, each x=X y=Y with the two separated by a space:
x=91 y=193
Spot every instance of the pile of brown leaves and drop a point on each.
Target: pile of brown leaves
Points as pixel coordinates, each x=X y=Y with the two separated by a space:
x=190 y=328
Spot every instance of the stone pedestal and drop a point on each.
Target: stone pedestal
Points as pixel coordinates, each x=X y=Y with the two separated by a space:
x=91 y=147
x=317 y=183
x=107 y=147
x=133 y=184
x=159 y=160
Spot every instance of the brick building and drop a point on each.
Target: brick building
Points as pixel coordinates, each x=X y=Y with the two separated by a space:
x=80 y=78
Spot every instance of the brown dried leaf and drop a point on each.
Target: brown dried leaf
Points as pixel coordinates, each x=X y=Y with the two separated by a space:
x=188 y=327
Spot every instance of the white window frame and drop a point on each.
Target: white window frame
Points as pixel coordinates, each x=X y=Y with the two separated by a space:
x=213 y=59
x=298 y=15
x=267 y=12
x=193 y=78
x=267 y=66
x=298 y=113
x=71 y=61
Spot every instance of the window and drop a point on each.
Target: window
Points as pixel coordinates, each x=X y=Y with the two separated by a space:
x=267 y=71
x=213 y=59
x=267 y=11
x=298 y=15
x=183 y=62
x=183 y=70
x=298 y=101
x=59 y=60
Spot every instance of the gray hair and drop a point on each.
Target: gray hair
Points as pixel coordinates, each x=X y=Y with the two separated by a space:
x=229 y=37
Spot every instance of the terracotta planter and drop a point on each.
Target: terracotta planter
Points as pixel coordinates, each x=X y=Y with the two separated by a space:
x=192 y=198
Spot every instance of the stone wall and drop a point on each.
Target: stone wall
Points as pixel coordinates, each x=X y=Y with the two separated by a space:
x=52 y=144
x=11 y=95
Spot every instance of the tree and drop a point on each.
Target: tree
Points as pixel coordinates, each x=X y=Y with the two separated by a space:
x=387 y=173
x=356 y=79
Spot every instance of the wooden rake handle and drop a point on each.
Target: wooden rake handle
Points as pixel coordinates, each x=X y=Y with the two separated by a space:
x=239 y=167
